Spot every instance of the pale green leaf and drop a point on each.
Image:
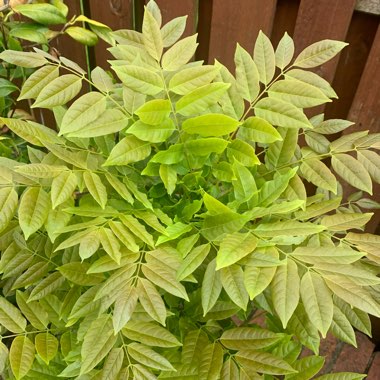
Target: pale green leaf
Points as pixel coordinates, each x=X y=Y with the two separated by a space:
x=124 y=307
x=96 y=188
x=357 y=318
x=211 y=362
x=110 y=244
x=46 y=286
x=192 y=261
x=21 y=356
x=286 y=290
x=83 y=111
x=33 y=311
x=316 y=172
x=152 y=36
x=46 y=14
x=240 y=338
x=76 y=272
x=211 y=287
x=247 y=74
x=353 y=294
x=146 y=356
x=150 y=334
x=40 y=170
x=318 y=53
x=284 y=52
x=82 y=35
x=23 y=58
x=201 y=99
x=210 y=125
x=329 y=255
x=8 y=205
x=173 y=30
x=352 y=171
x=124 y=235
x=300 y=94
x=101 y=79
x=152 y=133
x=289 y=227
x=313 y=79
x=206 y=146
x=263 y=362
x=233 y=283
x=180 y=53
x=257 y=279
x=242 y=152
x=280 y=113
x=192 y=78
x=331 y=126
x=112 y=364
x=59 y=91
x=264 y=58
x=33 y=210
x=317 y=300
x=119 y=187
x=140 y=79
x=37 y=81
x=307 y=367
x=98 y=341
x=154 y=112
x=137 y=229
x=151 y=300
x=234 y=247
x=10 y=317
x=168 y=176
x=129 y=149
x=342 y=328
x=46 y=346
x=259 y=130
x=62 y=187
x=371 y=162
x=341 y=222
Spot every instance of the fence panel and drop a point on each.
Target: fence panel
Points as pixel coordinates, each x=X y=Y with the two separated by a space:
x=233 y=22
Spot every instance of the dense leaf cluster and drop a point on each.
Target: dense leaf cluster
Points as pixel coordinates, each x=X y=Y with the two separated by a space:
x=22 y=28
x=169 y=210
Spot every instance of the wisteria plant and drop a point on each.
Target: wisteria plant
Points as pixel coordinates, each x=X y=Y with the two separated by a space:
x=165 y=215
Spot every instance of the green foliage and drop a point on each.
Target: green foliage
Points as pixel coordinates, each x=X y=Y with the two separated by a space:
x=26 y=33
x=168 y=209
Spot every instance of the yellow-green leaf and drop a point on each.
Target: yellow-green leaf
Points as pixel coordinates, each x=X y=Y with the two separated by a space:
x=21 y=356
x=286 y=290
x=46 y=346
x=59 y=91
x=33 y=210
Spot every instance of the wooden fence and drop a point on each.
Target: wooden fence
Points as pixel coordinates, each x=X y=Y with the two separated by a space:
x=355 y=75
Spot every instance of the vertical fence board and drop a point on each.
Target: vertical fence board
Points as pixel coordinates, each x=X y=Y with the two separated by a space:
x=285 y=19
x=352 y=62
x=318 y=20
x=174 y=8
x=365 y=110
x=65 y=44
x=233 y=22
x=117 y=14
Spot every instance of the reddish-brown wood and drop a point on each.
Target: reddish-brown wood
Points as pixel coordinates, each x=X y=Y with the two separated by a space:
x=285 y=19
x=352 y=62
x=118 y=14
x=174 y=8
x=233 y=22
x=365 y=109
x=65 y=45
x=318 y=20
